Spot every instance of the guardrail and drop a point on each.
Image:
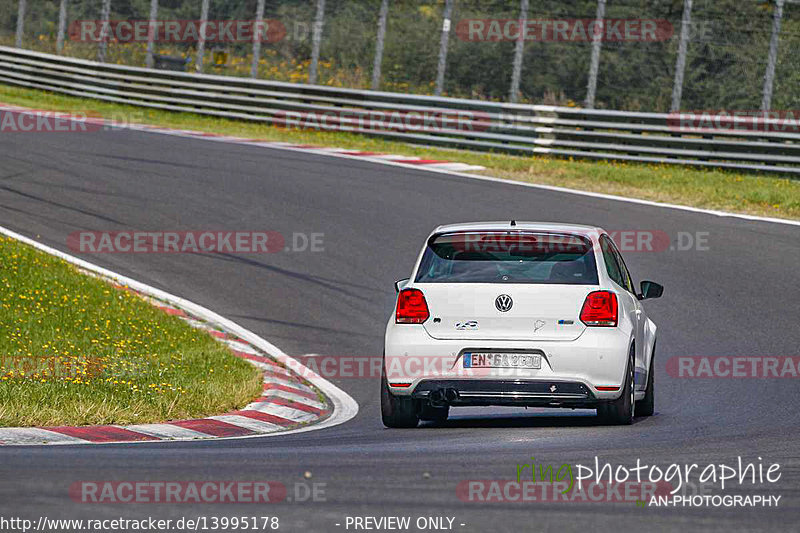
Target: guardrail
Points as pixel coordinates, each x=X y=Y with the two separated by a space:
x=453 y=122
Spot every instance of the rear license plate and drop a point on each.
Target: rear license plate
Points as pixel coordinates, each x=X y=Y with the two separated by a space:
x=502 y=360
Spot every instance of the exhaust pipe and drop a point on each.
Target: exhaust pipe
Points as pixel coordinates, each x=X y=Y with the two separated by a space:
x=437 y=397
x=442 y=397
x=451 y=395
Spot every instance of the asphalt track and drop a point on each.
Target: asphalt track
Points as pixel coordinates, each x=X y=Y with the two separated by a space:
x=738 y=298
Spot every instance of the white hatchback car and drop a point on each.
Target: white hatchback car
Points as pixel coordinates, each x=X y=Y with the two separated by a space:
x=521 y=314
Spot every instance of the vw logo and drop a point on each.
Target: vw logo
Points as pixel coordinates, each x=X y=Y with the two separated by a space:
x=503 y=303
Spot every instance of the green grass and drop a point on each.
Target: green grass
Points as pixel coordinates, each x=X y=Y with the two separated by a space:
x=74 y=350
x=711 y=189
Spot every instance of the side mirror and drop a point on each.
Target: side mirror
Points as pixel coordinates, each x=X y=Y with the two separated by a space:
x=650 y=289
x=400 y=284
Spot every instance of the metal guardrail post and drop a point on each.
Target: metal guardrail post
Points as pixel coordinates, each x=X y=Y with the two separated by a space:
x=769 y=76
x=20 y=23
x=105 y=30
x=519 y=47
x=376 y=66
x=680 y=64
x=257 y=34
x=442 y=66
x=316 y=40
x=597 y=43
x=151 y=33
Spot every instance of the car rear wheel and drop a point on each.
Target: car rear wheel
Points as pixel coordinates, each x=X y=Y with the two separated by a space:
x=397 y=411
x=620 y=411
x=646 y=407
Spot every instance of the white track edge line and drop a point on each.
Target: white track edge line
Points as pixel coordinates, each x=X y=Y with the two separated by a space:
x=344 y=406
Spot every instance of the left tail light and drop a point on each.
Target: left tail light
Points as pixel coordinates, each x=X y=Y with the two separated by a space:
x=411 y=307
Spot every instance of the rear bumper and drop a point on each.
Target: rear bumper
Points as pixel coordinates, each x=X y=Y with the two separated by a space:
x=591 y=367
x=539 y=393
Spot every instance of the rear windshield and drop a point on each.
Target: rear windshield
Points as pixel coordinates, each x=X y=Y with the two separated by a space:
x=508 y=257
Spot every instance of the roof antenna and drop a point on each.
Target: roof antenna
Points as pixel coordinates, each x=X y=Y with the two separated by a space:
x=513 y=222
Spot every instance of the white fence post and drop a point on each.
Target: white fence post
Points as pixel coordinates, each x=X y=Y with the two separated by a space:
x=316 y=40
x=62 y=26
x=597 y=44
x=201 y=43
x=680 y=64
x=442 y=66
x=376 y=66
x=769 y=76
x=20 y=23
x=151 y=33
x=516 y=72
x=105 y=30
x=257 y=34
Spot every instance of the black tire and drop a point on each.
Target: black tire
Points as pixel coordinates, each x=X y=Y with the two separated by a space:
x=646 y=406
x=397 y=411
x=437 y=415
x=619 y=412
